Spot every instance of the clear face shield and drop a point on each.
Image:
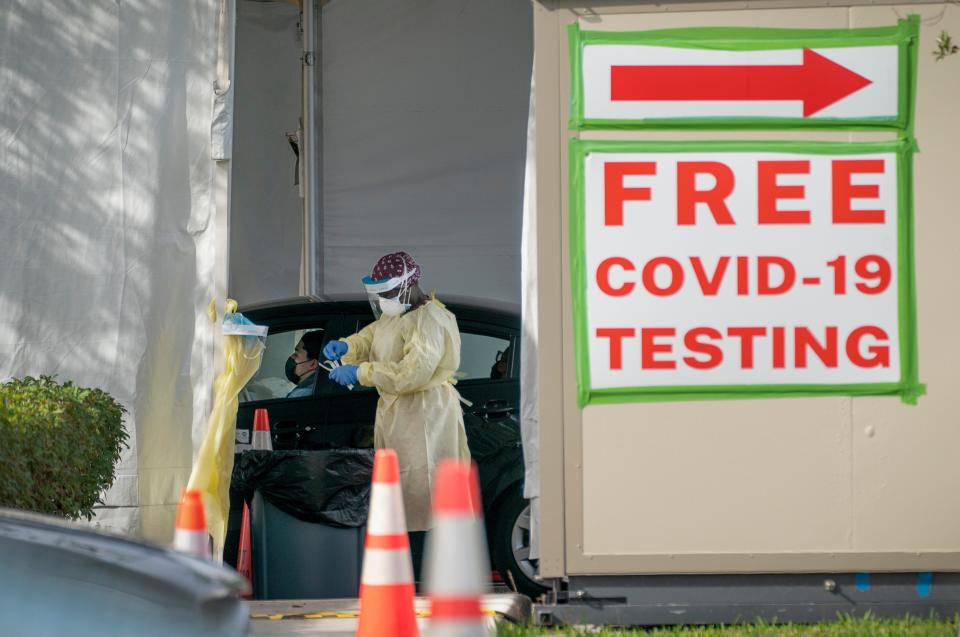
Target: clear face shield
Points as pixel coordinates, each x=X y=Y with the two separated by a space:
x=389 y=297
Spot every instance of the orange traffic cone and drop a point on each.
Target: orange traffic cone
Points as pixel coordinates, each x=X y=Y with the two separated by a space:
x=261 y=431
x=191 y=535
x=244 y=557
x=386 y=582
x=457 y=564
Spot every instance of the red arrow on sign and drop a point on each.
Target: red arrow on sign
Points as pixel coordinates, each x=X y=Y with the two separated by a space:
x=819 y=82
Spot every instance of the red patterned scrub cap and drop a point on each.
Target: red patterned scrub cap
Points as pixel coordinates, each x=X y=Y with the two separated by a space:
x=395 y=265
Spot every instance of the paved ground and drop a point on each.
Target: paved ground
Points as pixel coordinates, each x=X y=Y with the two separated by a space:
x=339 y=617
x=338 y=627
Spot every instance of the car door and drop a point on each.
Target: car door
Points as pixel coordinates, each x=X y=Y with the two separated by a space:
x=295 y=422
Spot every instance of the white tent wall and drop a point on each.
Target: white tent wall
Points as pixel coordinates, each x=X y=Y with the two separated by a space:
x=107 y=220
x=424 y=125
x=266 y=211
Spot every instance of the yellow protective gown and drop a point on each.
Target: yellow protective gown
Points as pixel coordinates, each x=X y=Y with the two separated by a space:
x=411 y=359
x=213 y=466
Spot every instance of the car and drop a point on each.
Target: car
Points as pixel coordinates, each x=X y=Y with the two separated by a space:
x=335 y=417
x=65 y=578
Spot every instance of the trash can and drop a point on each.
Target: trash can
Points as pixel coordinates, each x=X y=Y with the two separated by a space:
x=308 y=513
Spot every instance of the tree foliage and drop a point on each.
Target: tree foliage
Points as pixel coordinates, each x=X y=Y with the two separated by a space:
x=59 y=445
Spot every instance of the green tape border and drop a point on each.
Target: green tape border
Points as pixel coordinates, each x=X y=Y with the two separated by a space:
x=909 y=388
x=905 y=35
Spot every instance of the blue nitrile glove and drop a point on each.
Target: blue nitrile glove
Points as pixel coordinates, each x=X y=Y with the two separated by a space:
x=345 y=375
x=334 y=350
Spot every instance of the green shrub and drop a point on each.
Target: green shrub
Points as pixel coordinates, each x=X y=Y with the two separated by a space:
x=59 y=445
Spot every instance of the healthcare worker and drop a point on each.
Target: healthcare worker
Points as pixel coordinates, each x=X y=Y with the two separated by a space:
x=410 y=354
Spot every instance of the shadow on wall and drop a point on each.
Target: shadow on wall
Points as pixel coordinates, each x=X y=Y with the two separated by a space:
x=105 y=216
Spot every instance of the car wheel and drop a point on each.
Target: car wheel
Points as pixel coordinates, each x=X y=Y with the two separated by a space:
x=510 y=544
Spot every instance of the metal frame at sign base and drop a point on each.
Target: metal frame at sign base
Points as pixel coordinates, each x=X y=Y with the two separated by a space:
x=908 y=387
x=660 y=600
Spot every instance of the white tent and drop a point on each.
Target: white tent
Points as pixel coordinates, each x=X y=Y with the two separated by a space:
x=110 y=227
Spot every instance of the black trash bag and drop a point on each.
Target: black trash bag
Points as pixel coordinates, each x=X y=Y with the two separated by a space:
x=330 y=487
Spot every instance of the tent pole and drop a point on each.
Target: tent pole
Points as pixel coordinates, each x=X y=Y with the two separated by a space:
x=311 y=280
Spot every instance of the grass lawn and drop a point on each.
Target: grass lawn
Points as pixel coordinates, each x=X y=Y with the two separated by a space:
x=846 y=627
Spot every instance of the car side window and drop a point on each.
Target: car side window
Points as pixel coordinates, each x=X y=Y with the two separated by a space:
x=485 y=356
x=270 y=382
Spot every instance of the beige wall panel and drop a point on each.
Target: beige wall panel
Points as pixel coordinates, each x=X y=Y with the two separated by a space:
x=905 y=463
x=549 y=110
x=767 y=485
x=743 y=476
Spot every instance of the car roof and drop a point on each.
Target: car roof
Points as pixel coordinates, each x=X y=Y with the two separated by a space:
x=464 y=308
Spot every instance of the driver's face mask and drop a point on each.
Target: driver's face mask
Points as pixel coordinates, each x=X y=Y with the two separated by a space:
x=290 y=369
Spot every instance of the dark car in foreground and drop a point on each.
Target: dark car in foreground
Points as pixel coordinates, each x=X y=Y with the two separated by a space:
x=333 y=416
x=64 y=578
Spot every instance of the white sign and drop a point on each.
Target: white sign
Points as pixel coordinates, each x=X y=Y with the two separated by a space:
x=635 y=82
x=739 y=268
x=739 y=77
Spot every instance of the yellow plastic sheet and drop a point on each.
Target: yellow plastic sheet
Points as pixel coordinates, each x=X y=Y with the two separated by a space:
x=214 y=464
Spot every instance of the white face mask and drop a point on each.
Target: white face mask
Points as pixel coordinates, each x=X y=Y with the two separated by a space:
x=393 y=307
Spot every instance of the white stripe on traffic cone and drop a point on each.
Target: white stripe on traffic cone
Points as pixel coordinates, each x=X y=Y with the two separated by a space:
x=386 y=587
x=457 y=564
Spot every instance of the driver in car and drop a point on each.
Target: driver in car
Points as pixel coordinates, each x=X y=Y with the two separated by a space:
x=301 y=367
